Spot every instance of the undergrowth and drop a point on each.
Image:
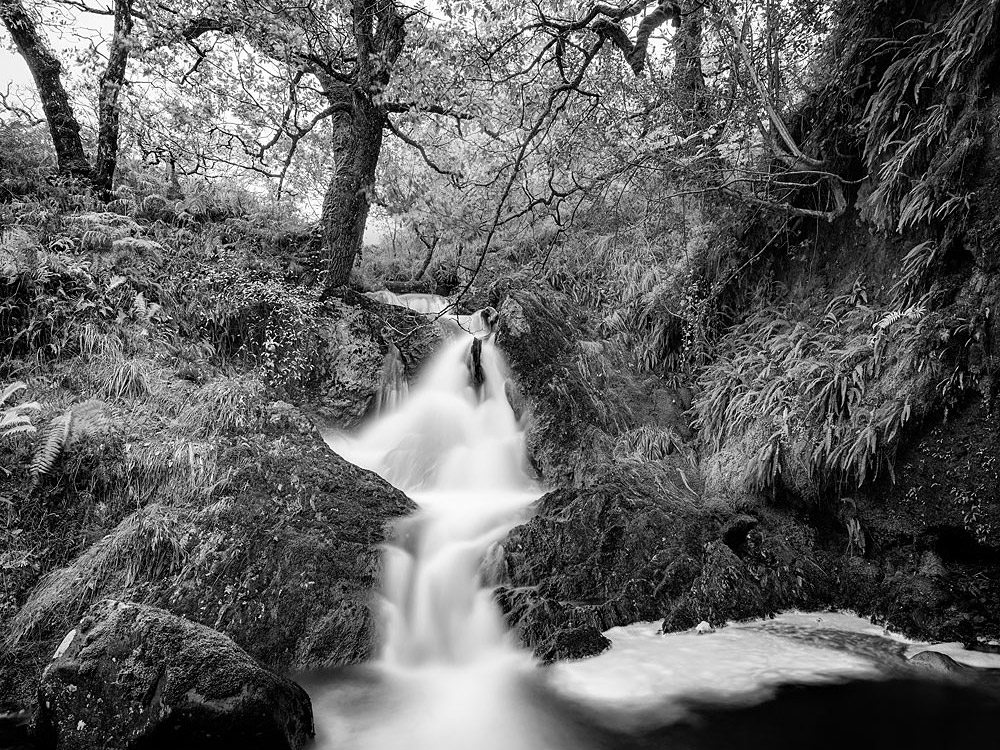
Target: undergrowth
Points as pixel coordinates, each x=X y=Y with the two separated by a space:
x=814 y=400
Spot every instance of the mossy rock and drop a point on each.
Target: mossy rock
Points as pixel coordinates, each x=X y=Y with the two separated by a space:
x=285 y=562
x=130 y=676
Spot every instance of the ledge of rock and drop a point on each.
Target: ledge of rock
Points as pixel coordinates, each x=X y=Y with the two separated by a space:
x=359 y=333
x=536 y=333
x=595 y=558
x=131 y=676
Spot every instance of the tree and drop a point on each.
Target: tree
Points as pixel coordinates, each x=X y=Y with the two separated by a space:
x=317 y=68
x=64 y=127
x=47 y=72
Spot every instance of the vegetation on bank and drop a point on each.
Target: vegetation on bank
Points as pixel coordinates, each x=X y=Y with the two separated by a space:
x=148 y=342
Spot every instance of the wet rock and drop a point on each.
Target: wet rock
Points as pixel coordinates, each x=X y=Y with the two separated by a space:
x=735 y=531
x=724 y=590
x=131 y=676
x=573 y=643
x=285 y=562
x=597 y=557
x=359 y=334
x=934 y=661
x=564 y=440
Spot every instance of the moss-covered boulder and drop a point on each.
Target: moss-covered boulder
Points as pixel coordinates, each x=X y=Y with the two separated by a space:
x=284 y=561
x=356 y=336
x=537 y=333
x=130 y=676
x=597 y=557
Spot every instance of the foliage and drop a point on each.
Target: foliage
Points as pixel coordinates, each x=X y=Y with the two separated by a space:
x=26 y=160
x=147 y=544
x=823 y=398
x=74 y=426
x=15 y=418
x=922 y=121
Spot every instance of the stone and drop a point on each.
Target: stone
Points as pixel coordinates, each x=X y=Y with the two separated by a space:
x=598 y=557
x=935 y=661
x=285 y=562
x=134 y=676
x=573 y=643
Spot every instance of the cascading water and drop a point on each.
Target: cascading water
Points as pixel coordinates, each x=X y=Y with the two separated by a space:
x=453 y=444
x=456 y=449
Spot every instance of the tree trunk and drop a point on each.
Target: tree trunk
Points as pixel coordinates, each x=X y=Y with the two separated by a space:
x=108 y=114
x=357 y=141
x=46 y=71
x=688 y=79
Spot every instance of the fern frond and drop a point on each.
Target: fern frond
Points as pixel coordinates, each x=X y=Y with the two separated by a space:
x=51 y=446
x=10 y=390
x=14 y=419
x=139 y=305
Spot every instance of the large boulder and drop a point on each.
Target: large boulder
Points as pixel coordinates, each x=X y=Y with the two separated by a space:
x=537 y=331
x=131 y=676
x=285 y=561
x=595 y=558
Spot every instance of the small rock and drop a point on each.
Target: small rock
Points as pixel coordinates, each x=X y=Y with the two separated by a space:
x=573 y=643
x=935 y=661
x=703 y=627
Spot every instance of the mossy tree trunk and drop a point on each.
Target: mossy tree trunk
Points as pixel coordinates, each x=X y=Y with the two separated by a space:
x=108 y=112
x=688 y=79
x=359 y=116
x=64 y=127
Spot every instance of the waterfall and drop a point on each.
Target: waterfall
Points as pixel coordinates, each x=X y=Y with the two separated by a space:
x=448 y=668
x=452 y=444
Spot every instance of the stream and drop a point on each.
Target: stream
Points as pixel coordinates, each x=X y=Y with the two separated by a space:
x=451 y=676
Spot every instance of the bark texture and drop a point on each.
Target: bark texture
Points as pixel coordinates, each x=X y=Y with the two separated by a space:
x=358 y=120
x=357 y=141
x=688 y=79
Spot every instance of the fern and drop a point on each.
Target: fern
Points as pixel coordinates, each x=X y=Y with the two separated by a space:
x=14 y=419
x=96 y=240
x=51 y=446
x=918 y=141
x=77 y=424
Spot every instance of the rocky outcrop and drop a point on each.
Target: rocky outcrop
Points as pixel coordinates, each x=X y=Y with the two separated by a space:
x=285 y=562
x=929 y=565
x=595 y=558
x=572 y=643
x=564 y=425
x=130 y=676
x=359 y=334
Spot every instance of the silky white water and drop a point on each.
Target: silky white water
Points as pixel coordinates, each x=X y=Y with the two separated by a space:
x=449 y=676
x=448 y=671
